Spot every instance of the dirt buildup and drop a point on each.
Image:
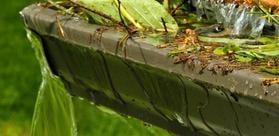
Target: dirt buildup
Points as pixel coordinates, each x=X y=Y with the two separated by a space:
x=219 y=36
x=270 y=81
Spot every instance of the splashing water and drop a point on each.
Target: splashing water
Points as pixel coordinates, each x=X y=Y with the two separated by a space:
x=241 y=19
x=54 y=112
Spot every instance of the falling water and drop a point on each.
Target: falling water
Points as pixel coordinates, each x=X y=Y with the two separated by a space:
x=240 y=19
x=54 y=112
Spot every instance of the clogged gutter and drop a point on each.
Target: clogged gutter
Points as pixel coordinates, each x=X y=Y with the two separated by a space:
x=231 y=34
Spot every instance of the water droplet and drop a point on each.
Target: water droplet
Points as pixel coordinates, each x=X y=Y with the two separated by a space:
x=76 y=19
x=232 y=89
x=265 y=88
x=179 y=119
x=246 y=92
x=273 y=93
x=256 y=94
x=80 y=98
x=250 y=86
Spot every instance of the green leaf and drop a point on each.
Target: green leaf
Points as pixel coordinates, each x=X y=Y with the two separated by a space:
x=231 y=47
x=243 y=58
x=266 y=40
x=144 y=14
x=219 y=51
x=228 y=48
x=149 y=13
x=258 y=55
x=246 y=53
x=270 y=53
x=271 y=50
x=274 y=71
x=106 y=7
x=263 y=51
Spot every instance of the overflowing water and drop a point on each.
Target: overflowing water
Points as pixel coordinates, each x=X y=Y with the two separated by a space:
x=54 y=112
x=240 y=19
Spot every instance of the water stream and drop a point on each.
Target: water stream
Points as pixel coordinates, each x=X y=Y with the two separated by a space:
x=54 y=112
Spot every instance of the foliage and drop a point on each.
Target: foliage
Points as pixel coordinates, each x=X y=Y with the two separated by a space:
x=274 y=71
x=272 y=18
x=139 y=13
x=246 y=53
x=227 y=49
x=264 y=51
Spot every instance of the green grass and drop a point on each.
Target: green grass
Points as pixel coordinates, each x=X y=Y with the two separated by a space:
x=20 y=80
x=19 y=72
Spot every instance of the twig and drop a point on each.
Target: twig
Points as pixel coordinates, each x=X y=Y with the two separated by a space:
x=62 y=8
x=267 y=13
x=127 y=15
x=166 y=30
x=165 y=26
x=96 y=12
x=122 y=20
x=124 y=40
x=178 y=6
x=60 y=28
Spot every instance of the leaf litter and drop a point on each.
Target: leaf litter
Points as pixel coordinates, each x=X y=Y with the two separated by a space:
x=188 y=34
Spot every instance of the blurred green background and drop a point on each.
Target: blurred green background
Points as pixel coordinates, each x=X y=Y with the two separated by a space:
x=19 y=72
x=20 y=80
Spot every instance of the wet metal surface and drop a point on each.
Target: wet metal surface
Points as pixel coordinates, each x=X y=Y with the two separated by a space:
x=143 y=82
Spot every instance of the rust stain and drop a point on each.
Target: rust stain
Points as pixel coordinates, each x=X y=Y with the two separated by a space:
x=269 y=81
